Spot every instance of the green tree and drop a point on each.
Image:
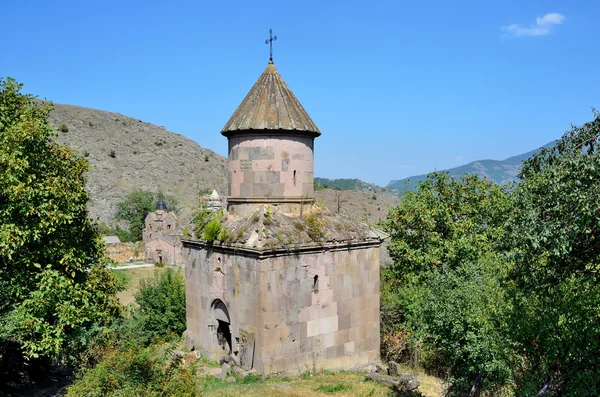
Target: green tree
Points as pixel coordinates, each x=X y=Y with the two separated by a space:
x=445 y=283
x=554 y=234
x=53 y=283
x=137 y=205
x=161 y=301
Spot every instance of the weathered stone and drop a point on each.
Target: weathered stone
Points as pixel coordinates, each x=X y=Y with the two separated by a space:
x=386 y=380
x=188 y=340
x=381 y=368
x=240 y=372
x=178 y=356
x=224 y=370
x=393 y=368
x=230 y=379
x=409 y=381
x=404 y=382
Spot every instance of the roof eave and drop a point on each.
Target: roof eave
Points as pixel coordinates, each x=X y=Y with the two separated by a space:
x=267 y=131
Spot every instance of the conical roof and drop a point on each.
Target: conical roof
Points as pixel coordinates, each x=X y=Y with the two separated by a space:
x=270 y=105
x=161 y=205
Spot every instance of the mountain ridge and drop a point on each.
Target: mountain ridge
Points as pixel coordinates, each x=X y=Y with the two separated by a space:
x=498 y=171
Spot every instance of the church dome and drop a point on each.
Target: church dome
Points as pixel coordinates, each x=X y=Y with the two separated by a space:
x=161 y=205
x=270 y=105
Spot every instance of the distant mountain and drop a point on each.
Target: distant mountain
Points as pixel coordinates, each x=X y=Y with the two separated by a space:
x=499 y=171
x=348 y=184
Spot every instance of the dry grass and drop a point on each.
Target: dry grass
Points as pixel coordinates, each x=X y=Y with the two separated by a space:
x=339 y=384
x=133 y=277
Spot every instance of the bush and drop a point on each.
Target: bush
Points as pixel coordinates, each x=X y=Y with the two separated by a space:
x=315 y=226
x=212 y=230
x=63 y=128
x=161 y=301
x=137 y=371
x=112 y=154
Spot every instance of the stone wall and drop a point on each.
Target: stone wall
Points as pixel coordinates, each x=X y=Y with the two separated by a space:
x=122 y=252
x=165 y=250
x=213 y=277
x=293 y=320
x=271 y=166
x=320 y=310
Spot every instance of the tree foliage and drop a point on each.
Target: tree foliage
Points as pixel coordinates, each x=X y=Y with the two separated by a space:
x=505 y=283
x=53 y=281
x=444 y=285
x=161 y=301
x=555 y=240
x=137 y=205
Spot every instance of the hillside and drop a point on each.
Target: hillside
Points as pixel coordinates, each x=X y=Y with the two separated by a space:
x=349 y=184
x=499 y=171
x=126 y=153
x=366 y=206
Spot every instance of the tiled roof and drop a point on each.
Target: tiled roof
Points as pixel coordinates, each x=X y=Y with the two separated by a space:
x=270 y=105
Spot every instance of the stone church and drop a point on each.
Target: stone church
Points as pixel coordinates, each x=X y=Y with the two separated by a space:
x=287 y=286
x=162 y=237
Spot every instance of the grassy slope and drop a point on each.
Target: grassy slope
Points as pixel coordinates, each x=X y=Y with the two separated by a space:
x=325 y=384
x=133 y=277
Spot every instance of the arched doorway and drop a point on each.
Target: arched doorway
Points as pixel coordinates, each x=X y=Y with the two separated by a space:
x=223 y=322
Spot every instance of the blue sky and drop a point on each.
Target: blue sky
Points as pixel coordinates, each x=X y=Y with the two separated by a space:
x=397 y=88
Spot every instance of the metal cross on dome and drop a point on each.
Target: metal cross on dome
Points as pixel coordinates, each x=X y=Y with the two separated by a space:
x=270 y=42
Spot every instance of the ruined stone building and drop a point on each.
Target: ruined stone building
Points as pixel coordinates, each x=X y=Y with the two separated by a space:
x=287 y=285
x=162 y=237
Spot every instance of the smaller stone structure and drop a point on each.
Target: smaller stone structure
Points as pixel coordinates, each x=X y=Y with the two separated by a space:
x=108 y=240
x=162 y=236
x=212 y=202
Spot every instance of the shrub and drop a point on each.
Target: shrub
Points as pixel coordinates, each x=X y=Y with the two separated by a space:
x=162 y=305
x=112 y=154
x=63 y=128
x=223 y=234
x=86 y=153
x=315 y=227
x=212 y=230
x=132 y=370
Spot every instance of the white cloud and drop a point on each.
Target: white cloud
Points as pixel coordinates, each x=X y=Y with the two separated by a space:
x=542 y=26
x=553 y=18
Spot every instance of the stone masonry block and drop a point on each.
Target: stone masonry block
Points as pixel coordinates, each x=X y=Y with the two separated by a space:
x=245 y=190
x=249 y=176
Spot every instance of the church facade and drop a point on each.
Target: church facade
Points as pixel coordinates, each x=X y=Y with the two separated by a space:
x=162 y=237
x=287 y=286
